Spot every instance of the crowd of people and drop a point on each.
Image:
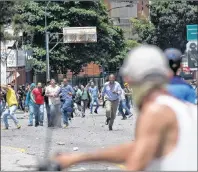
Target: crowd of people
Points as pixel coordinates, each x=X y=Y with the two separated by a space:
x=63 y=102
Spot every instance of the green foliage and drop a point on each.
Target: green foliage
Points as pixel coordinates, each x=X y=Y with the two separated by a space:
x=31 y=19
x=6 y=12
x=170 y=20
x=144 y=29
x=131 y=44
x=168 y=24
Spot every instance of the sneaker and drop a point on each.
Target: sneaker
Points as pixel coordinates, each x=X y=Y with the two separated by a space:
x=41 y=124
x=36 y=124
x=107 y=121
x=30 y=125
x=18 y=126
x=65 y=125
x=124 y=118
x=96 y=111
x=110 y=128
x=83 y=116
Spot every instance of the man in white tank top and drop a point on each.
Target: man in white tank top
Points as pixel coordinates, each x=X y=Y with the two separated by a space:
x=166 y=132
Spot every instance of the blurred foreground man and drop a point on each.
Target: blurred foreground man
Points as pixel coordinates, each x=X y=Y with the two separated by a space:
x=166 y=133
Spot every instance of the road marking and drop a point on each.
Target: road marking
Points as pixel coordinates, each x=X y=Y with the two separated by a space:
x=13 y=148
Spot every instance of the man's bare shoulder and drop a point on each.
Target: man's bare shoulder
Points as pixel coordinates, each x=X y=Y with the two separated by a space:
x=156 y=113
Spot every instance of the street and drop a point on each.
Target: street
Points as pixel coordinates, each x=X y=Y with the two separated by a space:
x=21 y=148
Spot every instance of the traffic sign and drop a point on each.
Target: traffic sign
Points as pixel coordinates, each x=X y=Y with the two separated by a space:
x=192 y=32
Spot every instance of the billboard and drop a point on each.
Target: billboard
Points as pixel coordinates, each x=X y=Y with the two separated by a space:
x=13 y=60
x=79 y=35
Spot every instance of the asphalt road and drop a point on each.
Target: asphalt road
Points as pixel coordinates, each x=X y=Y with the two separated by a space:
x=23 y=147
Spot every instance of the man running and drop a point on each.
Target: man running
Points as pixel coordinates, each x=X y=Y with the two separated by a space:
x=94 y=94
x=12 y=102
x=166 y=132
x=112 y=91
x=178 y=87
x=66 y=93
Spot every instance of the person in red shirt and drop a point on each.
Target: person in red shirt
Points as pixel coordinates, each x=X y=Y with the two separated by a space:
x=38 y=98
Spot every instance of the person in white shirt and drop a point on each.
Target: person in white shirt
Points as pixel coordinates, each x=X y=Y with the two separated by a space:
x=54 y=102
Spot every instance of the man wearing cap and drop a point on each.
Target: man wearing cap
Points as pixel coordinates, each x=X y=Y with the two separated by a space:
x=166 y=136
x=178 y=87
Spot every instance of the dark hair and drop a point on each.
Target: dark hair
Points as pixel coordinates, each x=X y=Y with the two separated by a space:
x=174 y=65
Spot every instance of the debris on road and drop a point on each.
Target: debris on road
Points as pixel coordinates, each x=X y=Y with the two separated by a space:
x=60 y=143
x=75 y=148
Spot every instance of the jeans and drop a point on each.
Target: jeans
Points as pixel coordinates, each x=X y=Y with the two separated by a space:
x=10 y=112
x=31 y=113
x=65 y=109
x=2 y=107
x=39 y=113
x=93 y=100
x=84 y=106
x=55 y=115
x=122 y=106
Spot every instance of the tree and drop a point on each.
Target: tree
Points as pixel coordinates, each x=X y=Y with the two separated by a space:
x=6 y=12
x=170 y=20
x=30 y=19
x=143 y=30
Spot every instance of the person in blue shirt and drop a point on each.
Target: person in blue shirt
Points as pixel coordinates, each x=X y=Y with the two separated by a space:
x=29 y=103
x=66 y=93
x=94 y=94
x=177 y=86
x=111 y=91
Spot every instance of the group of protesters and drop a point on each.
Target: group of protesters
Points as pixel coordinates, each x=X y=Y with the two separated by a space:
x=64 y=101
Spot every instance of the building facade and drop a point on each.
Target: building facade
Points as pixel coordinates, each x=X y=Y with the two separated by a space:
x=122 y=11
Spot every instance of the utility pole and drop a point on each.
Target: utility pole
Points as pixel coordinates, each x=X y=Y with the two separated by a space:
x=47 y=46
x=16 y=69
x=47 y=56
